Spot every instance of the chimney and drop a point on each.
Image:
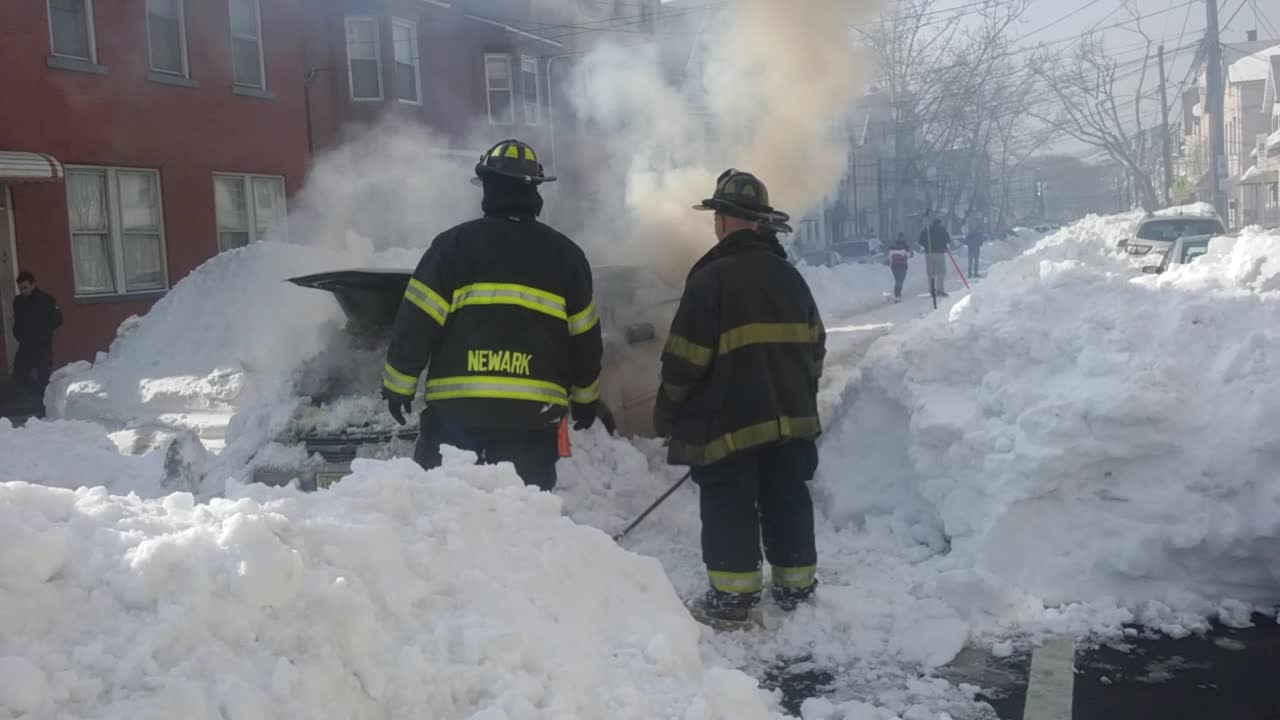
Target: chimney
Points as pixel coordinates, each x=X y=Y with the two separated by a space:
x=1252 y=35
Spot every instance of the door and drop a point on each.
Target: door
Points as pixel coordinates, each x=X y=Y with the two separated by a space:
x=8 y=273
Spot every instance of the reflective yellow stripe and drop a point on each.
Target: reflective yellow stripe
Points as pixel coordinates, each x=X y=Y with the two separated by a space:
x=688 y=350
x=427 y=300
x=495 y=387
x=588 y=394
x=749 y=437
x=528 y=154
x=513 y=151
x=794 y=577
x=678 y=393
x=736 y=582
x=583 y=321
x=510 y=294
x=398 y=382
x=757 y=333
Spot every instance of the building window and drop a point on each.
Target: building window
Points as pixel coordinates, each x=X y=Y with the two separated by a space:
x=404 y=36
x=246 y=44
x=117 y=230
x=497 y=81
x=71 y=29
x=364 y=58
x=529 y=84
x=250 y=208
x=167 y=36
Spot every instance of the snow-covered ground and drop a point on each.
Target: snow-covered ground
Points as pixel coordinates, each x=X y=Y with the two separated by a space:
x=1072 y=447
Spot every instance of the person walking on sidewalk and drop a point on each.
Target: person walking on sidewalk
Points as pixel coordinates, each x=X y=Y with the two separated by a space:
x=935 y=241
x=973 y=241
x=36 y=316
x=899 y=252
x=738 y=399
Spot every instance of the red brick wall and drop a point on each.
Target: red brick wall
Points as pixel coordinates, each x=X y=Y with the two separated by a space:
x=123 y=119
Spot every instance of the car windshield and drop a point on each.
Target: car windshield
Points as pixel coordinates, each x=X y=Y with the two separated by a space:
x=1174 y=228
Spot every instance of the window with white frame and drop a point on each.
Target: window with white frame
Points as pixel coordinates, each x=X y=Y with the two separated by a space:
x=117 y=230
x=529 y=84
x=250 y=208
x=497 y=81
x=167 y=36
x=404 y=36
x=71 y=29
x=364 y=58
x=246 y=44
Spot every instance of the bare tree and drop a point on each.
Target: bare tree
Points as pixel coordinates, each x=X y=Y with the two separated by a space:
x=954 y=95
x=1097 y=107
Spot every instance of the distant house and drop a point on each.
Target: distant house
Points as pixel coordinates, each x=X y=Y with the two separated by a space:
x=1245 y=70
x=1259 y=191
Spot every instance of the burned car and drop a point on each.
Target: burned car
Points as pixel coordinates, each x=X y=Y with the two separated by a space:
x=344 y=417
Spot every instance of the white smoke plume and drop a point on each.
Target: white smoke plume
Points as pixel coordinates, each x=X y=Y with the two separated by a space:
x=769 y=86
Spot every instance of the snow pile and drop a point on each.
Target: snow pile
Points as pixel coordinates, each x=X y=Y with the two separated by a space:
x=451 y=594
x=1078 y=432
x=65 y=454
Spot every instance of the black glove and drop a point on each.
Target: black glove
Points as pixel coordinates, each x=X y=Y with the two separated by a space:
x=661 y=421
x=398 y=404
x=584 y=415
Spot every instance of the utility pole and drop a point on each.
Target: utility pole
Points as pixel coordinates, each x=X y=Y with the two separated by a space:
x=1164 y=132
x=1217 y=135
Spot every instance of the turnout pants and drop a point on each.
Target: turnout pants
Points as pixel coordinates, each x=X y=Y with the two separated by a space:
x=899 y=277
x=32 y=366
x=534 y=453
x=936 y=264
x=755 y=496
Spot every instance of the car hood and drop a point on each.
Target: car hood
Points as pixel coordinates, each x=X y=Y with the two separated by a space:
x=370 y=298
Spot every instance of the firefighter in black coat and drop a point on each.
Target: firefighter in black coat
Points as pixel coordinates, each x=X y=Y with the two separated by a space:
x=35 y=316
x=502 y=308
x=738 y=399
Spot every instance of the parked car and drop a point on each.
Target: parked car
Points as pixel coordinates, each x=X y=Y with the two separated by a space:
x=1159 y=232
x=1184 y=250
x=343 y=416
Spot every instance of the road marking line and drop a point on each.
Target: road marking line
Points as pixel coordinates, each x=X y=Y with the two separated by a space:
x=1051 y=681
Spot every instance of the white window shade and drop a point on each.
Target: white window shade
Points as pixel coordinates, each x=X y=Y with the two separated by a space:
x=117 y=230
x=250 y=208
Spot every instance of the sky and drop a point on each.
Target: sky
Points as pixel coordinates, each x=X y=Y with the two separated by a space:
x=1178 y=24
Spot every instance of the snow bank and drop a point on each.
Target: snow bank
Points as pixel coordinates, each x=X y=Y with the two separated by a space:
x=66 y=454
x=398 y=593
x=1078 y=432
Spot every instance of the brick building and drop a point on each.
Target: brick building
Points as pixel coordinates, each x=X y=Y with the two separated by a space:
x=141 y=137
x=165 y=130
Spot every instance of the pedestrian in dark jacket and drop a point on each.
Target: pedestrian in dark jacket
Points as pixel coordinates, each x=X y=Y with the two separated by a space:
x=935 y=241
x=501 y=307
x=973 y=241
x=899 y=253
x=36 y=316
x=738 y=399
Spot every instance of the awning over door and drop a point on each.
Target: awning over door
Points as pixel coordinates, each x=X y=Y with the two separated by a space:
x=29 y=167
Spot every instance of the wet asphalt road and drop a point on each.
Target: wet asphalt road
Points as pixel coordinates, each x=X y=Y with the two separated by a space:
x=1227 y=674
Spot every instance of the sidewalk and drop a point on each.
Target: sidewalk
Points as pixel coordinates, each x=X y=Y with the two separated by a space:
x=14 y=404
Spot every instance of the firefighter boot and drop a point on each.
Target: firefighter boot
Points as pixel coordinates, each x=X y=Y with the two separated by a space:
x=724 y=611
x=789 y=598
